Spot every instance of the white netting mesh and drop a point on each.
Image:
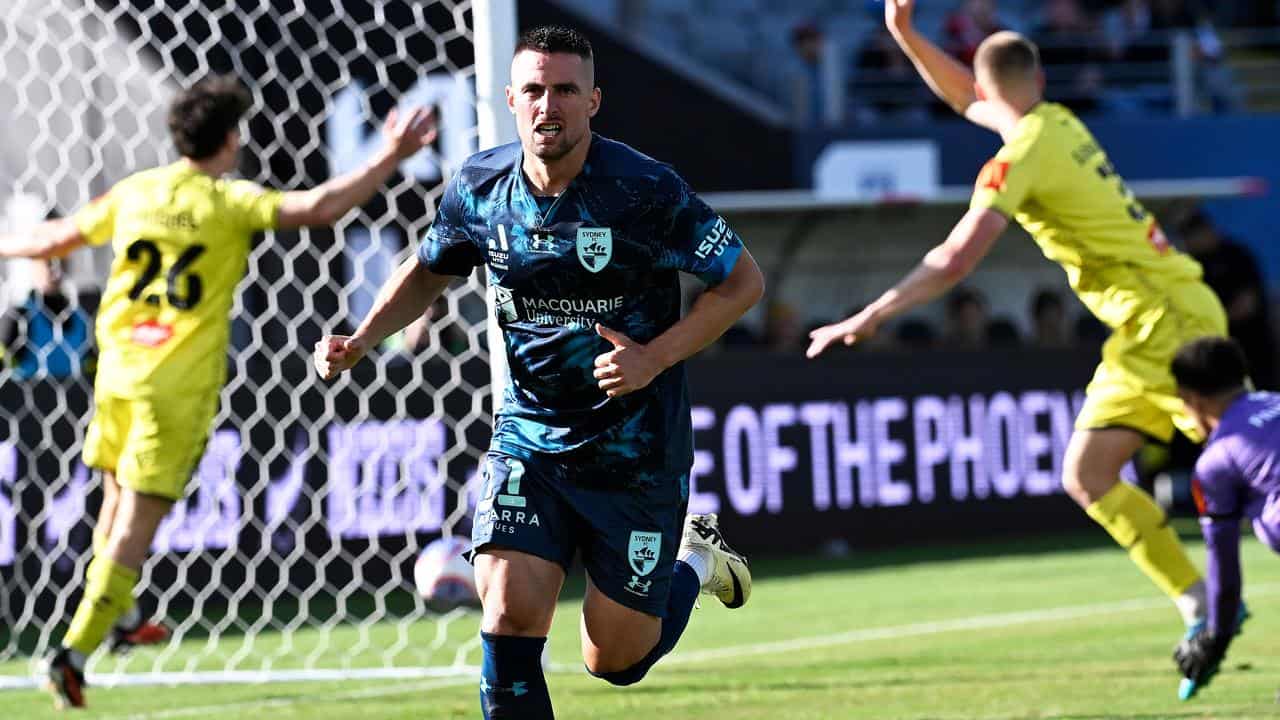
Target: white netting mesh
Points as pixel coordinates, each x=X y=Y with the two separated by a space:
x=295 y=548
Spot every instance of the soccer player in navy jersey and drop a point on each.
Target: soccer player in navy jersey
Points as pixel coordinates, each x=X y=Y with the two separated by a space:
x=583 y=239
x=1237 y=479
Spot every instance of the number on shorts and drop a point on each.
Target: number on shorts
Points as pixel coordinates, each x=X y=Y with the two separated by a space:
x=512 y=497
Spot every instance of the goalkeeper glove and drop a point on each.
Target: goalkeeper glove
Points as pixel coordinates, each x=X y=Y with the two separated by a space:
x=1198 y=658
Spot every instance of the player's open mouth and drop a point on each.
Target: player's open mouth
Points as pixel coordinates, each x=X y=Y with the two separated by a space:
x=547 y=129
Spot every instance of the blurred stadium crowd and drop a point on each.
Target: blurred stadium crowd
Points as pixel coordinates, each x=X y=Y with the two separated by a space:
x=828 y=62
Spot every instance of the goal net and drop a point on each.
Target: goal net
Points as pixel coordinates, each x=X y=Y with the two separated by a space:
x=292 y=555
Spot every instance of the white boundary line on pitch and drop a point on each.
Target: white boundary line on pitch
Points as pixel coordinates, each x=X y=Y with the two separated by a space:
x=365 y=693
x=975 y=622
x=251 y=677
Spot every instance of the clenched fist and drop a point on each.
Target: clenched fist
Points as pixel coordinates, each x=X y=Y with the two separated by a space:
x=335 y=354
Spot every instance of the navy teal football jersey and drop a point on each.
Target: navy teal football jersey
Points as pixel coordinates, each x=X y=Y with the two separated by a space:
x=607 y=250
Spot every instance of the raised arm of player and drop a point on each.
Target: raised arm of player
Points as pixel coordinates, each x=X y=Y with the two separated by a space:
x=949 y=79
x=402 y=299
x=49 y=239
x=1219 y=490
x=326 y=203
x=632 y=365
x=939 y=271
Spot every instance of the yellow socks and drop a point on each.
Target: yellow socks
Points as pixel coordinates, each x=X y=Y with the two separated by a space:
x=1141 y=527
x=108 y=594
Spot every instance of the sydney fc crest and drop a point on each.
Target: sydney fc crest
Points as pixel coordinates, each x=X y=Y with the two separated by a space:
x=643 y=551
x=504 y=303
x=595 y=248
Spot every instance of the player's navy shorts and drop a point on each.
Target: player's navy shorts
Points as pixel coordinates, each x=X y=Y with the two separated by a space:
x=550 y=508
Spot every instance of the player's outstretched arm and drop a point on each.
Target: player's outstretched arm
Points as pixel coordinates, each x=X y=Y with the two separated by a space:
x=632 y=365
x=949 y=79
x=49 y=239
x=939 y=271
x=1199 y=656
x=326 y=203
x=402 y=299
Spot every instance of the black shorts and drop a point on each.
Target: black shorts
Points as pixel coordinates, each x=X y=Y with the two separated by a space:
x=545 y=507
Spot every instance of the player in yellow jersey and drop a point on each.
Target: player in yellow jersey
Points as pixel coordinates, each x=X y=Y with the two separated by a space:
x=1054 y=180
x=181 y=236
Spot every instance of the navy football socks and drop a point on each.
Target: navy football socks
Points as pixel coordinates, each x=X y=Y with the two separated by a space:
x=511 y=681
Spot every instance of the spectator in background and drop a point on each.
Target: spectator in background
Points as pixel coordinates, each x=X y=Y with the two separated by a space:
x=968 y=26
x=966 y=319
x=1140 y=32
x=915 y=334
x=783 y=329
x=1049 y=320
x=1214 y=77
x=1089 y=331
x=1003 y=333
x=1231 y=270
x=1138 y=71
x=803 y=82
x=1070 y=45
x=885 y=85
x=48 y=335
x=1129 y=34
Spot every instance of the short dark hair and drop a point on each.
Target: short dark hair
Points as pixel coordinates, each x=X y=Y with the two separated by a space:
x=555 y=39
x=201 y=116
x=1210 y=366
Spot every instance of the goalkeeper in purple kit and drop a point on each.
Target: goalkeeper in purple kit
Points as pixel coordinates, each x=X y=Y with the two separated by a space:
x=1237 y=478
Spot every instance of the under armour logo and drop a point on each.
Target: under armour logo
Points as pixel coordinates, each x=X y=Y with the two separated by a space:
x=636 y=586
x=517 y=688
x=542 y=242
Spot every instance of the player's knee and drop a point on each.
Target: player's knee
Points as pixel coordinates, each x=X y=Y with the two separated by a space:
x=1071 y=482
x=504 y=618
x=619 y=664
x=1078 y=482
x=1086 y=488
x=615 y=672
x=110 y=492
x=510 y=609
x=128 y=546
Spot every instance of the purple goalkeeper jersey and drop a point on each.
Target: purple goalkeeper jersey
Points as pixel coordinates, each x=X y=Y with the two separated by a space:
x=1238 y=477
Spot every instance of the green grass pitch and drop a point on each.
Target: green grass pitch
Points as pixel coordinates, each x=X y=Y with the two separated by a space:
x=1057 y=628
